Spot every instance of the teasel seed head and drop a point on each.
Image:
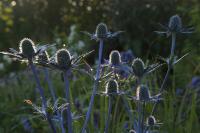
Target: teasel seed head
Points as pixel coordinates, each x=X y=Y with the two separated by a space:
x=63 y=59
x=43 y=57
x=175 y=23
x=115 y=57
x=112 y=87
x=138 y=67
x=143 y=93
x=151 y=121
x=101 y=31
x=27 y=48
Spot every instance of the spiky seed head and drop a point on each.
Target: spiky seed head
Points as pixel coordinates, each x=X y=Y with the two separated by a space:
x=63 y=59
x=43 y=57
x=175 y=23
x=27 y=48
x=101 y=30
x=143 y=93
x=151 y=120
x=115 y=57
x=138 y=67
x=112 y=87
x=132 y=131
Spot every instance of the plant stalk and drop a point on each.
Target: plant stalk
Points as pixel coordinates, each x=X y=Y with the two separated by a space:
x=41 y=91
x=109 y=113
x=95 y=86
x=67 y=92
x=170 y=66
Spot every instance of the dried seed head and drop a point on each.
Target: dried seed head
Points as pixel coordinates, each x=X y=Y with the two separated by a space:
x=151 y=120
x=175 y=23
x=138 y=67
x=27 y=48
x=63 y=59
x=115 y=57
x=132 y=131
x=143 y=93
x=101 y=31
x=43 y=57
x=112 y=87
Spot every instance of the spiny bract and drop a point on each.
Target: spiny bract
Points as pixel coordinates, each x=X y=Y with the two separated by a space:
x=112 y=87
x=43 y=57
x=143 y=93
x=101 y=31
x=138 y=67
x=63 y=58
x=27 y=48
x=115 y=57
x=175 y=23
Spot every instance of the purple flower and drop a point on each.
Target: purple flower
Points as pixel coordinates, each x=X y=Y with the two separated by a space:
x=127 y=56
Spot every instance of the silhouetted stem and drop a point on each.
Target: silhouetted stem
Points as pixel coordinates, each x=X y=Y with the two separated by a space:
x=142 y=123
x=109 y=113
x=95 y=86
x=170 y=65
x=41 y=91
x=139 y=117
x=53 y=94
x=67 y=92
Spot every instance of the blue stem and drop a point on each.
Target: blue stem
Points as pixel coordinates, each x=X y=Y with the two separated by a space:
x=95 y=86
x=41 y=91
x=170 y=65
x=109 y=113
x=50 y=85
x=69 y=116
x=53 y=94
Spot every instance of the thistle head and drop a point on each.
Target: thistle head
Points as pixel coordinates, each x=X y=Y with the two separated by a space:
x=112 y=87
x=175 y=23
x=43 y=57
x=151 y=121
x=115 y=57
x=63 y=59
x=143 y=93
x=138 y=67
x=27 y=48
x=101 y=30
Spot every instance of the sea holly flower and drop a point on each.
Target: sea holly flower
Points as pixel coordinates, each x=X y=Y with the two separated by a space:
x=102 y=33
x=175 y=26
x=143 y=95
x=132 y=131
x=27 y=50
x=116 y=65
x=127 y=56
x=112 y=88
x=139 y=69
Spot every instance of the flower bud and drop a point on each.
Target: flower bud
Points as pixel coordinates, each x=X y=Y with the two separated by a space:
x=115 y=58
x=175 y=23
x=63 y=58
x=112 y=87
x=43 y=57
x=143 y=93
x=27 y=48
x=151 y=120
x=138 y=67
x=101 y=31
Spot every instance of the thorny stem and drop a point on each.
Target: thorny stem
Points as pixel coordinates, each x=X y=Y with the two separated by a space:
x=67 y=92
x=109 y=113
x=53 y=94
x=170 y=65
x=41 y=91
x=95 y=86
